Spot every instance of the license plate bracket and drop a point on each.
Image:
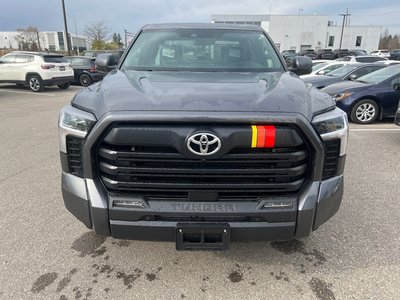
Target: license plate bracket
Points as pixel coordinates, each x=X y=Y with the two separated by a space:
x=208 y=236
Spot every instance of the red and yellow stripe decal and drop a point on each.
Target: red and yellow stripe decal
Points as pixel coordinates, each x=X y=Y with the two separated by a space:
x=262 y=136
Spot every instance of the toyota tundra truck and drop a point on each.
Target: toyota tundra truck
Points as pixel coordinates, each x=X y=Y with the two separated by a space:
x=203 y=135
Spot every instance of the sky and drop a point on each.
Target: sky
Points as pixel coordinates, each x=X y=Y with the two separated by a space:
x=132 y=15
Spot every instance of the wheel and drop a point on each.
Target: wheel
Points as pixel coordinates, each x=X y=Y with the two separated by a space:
x=35 y=83
x=64 y=86
x=85 y=80
x=364 y=112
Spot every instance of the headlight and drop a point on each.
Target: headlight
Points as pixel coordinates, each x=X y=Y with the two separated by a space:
x=341 y=96
x=73 y=121
x=333 y=125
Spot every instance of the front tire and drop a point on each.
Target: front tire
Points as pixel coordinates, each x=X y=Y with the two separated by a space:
x=35 y=83
x=365 y=112
x=85 y=80
x=64 y=86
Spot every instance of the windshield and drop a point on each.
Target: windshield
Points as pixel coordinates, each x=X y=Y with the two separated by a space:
x=380 y=75
x=318 y=66
x=342 y=71
x=202 y=50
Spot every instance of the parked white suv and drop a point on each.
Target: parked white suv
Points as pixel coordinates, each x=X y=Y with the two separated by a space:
x=383 y=53
x=36 y=70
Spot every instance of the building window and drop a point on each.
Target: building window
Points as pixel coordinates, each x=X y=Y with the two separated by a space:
x=331 y=41
x=358 y=41
x=61 y=40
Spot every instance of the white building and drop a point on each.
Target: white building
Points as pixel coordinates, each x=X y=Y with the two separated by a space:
x=50 y=40
x=299 y=32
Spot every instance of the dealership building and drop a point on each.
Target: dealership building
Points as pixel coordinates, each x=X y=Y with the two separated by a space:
x=300 y=32
x=50 y=40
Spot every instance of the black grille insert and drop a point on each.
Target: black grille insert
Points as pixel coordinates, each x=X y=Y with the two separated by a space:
x=332 y=151
x=74 y=152
x=163 y=173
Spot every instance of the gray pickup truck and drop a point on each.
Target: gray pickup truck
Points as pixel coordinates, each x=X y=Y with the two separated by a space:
x=203 y=135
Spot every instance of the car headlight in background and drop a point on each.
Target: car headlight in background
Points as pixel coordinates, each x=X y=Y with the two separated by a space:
x=341 y=96
x=73 y=121
x=333 y=125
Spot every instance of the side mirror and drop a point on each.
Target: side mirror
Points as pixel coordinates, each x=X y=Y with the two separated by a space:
x=105 y=62
x=300 y=65
x=397 y=87
x=352 y=77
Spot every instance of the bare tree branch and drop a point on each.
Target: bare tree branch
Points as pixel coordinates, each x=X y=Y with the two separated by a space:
x=97 y=33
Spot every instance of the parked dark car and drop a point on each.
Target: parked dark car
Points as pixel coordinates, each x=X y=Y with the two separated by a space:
x=309 y=53
x=340 y=53
x=372 y=96
x=350 y=71
x=203 y=135
x=395 y=54
x=117 y=54
x=324 y=54
x=85 y=71
x=357 y=52
x=288 y=53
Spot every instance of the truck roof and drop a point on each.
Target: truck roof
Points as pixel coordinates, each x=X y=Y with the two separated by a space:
x=201 y=26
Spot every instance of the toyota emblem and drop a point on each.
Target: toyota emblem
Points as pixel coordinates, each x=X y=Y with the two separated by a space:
x=203 y=144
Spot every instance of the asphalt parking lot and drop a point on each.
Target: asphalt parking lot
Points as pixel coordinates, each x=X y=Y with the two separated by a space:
x=45 y=253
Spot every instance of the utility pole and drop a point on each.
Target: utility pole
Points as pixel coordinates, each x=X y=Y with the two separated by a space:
x=76 y=37
x=344 y=20
x=66 y=29
x=126 y=40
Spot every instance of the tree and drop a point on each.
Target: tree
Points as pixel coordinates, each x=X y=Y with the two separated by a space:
x=97 y=33
x=116 y=42
x=387 y=41
x=28 y=39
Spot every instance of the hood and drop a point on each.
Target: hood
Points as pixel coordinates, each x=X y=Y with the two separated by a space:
x=346 y=86
x=321 y=80
x=203 y=92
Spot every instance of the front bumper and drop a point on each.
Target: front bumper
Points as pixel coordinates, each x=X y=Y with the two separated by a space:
x=87 y=199
x=316 y=204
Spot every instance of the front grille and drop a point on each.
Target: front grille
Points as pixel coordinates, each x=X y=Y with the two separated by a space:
x=332 y=151
x=74 y=152
x=163 y=173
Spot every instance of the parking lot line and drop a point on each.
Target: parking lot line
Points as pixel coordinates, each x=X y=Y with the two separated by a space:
x=27 y=93
x=375 y=129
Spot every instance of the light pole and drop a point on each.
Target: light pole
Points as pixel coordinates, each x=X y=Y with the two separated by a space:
x=76 y=37
x=344 y=19
x=126 y=39
x=66 y=29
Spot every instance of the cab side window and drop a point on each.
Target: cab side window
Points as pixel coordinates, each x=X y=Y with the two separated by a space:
x=395 y=81
x=364 y=71
x=23 y=58
x=8 y=59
